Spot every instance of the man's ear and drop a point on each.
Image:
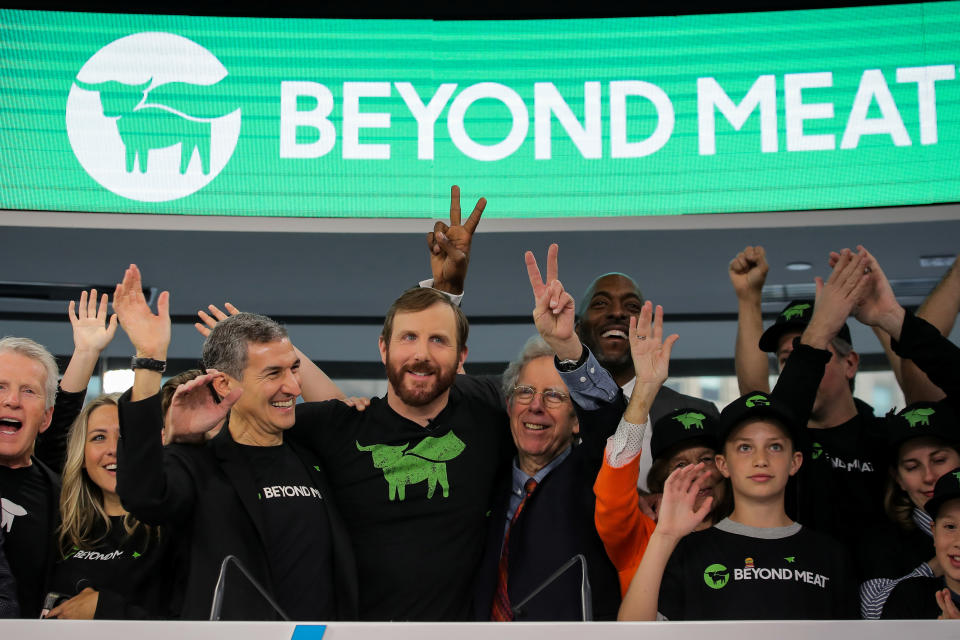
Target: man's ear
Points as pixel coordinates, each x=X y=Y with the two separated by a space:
x=462 y=358
x=851 y=364
x=45 y=423
x=795 y=462
x=224 y=384
x=721 y=462
x=383 y=349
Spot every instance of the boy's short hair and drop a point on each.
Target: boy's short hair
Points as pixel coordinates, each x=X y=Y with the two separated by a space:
x=758 y=405
x=768 y=420
x=946 y=489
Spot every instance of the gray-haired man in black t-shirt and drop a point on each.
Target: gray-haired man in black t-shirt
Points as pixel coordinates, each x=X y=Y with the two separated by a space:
x=247 y=492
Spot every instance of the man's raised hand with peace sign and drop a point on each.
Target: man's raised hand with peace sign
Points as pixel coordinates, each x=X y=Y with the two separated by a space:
x=449 y=245
x=554 y=310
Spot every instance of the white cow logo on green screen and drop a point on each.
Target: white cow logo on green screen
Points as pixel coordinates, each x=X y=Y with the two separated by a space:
x=149 y=116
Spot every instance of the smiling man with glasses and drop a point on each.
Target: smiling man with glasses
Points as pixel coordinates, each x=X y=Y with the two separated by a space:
x=544 y=516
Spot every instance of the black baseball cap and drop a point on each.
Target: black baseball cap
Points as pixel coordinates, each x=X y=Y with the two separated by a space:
x=753 y=405
x=946 y=489
x=794 y=317
x=682 y=425
x=937 y=419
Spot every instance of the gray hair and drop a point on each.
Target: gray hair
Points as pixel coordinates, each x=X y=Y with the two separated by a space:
x=843 y=349
x=35 y=351
x=534 y=348
x=225 y=349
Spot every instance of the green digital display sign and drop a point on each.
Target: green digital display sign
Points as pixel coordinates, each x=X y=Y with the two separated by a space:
x=774 y=111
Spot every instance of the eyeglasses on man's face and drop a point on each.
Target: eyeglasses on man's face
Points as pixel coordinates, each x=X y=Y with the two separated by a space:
x=551 y=397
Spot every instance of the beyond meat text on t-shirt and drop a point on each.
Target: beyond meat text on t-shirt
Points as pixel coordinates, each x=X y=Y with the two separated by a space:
x=415 y=499
x=728 y=573
x=298 y=533
x=846 y=460
x=838 y=462
x=133 y=573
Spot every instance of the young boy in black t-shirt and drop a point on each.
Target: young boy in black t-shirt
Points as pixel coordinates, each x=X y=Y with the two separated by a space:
x=927 y=598
x=755 y=564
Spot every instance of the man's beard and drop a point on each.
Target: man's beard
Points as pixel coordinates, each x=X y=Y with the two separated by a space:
x=423 y=394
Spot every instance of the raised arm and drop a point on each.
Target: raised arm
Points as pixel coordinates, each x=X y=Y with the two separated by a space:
x=623 y=527
x=748 y=272
x=554 y=308
x=449 y=245
x=651 y=360
x=92 y=332
x=154 y=487
x=940 y=309
x=913 y=338
x=677 y=519
x=149 y=332
x=802 y=372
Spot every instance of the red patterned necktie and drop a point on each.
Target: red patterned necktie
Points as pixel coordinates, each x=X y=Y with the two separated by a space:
x=501 y=611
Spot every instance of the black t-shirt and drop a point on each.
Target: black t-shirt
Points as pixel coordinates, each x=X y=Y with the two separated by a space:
x=915 y=599
x=298 y=541
x=890 y=551
x=840 y=462
x=9 y=605
x=414 y=498
x=133 y=573
x=28 y=501
x=726 y=573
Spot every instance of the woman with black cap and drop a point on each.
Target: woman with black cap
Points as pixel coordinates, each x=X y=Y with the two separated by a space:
x=924 y=444
x=682 y=437
x=927 y=597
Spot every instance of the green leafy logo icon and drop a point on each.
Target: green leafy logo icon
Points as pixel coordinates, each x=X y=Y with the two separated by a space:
x=716 y=576
x=817 y=450
x=152 y=117
x=791 y=559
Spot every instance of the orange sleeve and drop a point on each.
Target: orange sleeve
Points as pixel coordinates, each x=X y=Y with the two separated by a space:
x=624 y=529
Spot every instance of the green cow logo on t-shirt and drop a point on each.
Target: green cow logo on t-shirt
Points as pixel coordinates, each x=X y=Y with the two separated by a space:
x=424 y=462
x=716 y=576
